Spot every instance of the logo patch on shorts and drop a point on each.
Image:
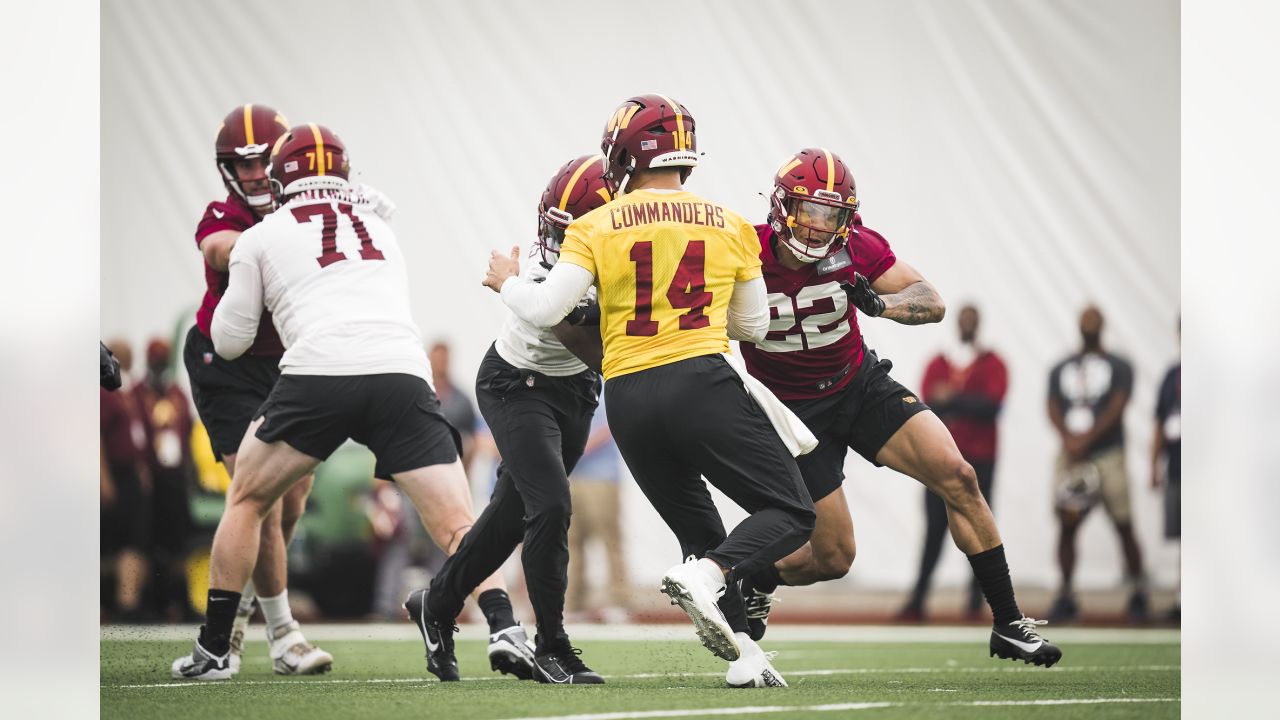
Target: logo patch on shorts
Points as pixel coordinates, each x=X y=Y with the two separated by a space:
x=529 y=381
x=208 y=358
x=910 y=399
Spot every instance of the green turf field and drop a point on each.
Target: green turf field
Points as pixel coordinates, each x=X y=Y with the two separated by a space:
x=380 y=678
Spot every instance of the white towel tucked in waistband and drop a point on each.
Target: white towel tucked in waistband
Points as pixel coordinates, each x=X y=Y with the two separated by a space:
x=795 y=435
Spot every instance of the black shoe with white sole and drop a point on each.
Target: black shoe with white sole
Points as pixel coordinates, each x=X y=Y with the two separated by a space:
x=1019 y=641
x=511 y=653
x=562 y=667
x=436 y=635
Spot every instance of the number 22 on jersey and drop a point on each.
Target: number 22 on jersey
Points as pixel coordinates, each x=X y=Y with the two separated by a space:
x=818 y=326
x=687 y=289
x=329 y=253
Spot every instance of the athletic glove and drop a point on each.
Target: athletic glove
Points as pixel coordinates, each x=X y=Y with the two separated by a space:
x=108 y=368
x=380 y=203
x=588 y=313
x=862 y=296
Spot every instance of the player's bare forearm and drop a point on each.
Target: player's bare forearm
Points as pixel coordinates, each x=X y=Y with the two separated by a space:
x=916 y=304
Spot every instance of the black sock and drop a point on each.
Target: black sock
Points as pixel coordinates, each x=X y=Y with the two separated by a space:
x=496 y=607
x=558 y=644
x=215 y=635
x=992 y=573
x=767 y=580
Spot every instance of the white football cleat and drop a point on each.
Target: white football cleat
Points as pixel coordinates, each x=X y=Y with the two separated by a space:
x=753 y=668
x=695 y=585
x=291 y=654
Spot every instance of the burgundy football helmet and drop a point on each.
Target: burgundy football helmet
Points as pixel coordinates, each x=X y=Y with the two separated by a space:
x=308 y=157
x=648 y=131
x=247 y=132
x=813 y=191
x=576 y=189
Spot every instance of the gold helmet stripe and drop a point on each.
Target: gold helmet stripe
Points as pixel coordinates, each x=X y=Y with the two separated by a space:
x=573 y=179
x=831 y=169
x=788 y=166
x=681 y=140
x=315 y=133
x=248 y=125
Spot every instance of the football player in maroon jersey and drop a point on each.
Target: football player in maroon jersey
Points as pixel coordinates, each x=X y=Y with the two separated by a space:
x=820 y=262
x=228 y=392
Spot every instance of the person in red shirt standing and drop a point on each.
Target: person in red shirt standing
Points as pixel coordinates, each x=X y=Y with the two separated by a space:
x=965 y=388
x=228 y=393
x=125 y=491
x=166 y=418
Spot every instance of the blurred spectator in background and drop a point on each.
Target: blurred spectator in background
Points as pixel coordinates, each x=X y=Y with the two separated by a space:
x=399 y=540
x=1088 y=392
x=597 y=516
x=124 y=491
x=458 y=408
x=1166 y=450
x=965 y=386
x=165 y=412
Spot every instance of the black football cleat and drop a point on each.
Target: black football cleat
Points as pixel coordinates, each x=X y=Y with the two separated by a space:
x=758 y=605
x=436 y=635
x=563 y=667
x=1020 y=641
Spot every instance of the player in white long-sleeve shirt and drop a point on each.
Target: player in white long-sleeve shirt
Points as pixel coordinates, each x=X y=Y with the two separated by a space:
x=538 y=399
x=332 y=275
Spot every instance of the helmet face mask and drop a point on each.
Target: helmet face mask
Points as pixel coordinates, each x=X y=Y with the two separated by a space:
x=813 y=204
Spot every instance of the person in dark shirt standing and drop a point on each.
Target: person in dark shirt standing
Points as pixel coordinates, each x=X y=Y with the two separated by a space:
x=125 y=491
x=965 y=388
x=1088 y=392
x=166 y=418
x=1166 y=449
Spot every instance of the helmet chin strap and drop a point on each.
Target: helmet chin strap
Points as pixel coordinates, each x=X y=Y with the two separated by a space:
x=264 y=200
x=802 y=257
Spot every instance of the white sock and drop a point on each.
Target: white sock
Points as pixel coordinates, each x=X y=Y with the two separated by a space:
x=746 y=644
x=276 y=610
x=712 y=571
x=245 y=607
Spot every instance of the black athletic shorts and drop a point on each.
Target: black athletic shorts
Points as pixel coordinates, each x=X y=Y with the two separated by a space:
x=693 y=416
x=397 y=416
x=227 y=393
x=863 y=416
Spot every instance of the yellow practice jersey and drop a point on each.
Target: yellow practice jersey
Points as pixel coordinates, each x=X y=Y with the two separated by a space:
x=665 y=264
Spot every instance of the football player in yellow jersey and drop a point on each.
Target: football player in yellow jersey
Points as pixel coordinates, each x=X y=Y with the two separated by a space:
x=677 y=277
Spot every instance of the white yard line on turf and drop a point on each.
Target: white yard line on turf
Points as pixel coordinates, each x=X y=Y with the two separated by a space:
x=777 y=633
x=836 y=707
x=647 y=676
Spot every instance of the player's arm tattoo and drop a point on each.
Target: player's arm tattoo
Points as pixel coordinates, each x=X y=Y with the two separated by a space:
x=916 y=304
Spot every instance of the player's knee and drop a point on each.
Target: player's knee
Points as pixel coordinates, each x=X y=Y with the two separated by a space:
x=554 y=513
x=834 y=562
x=294 y=503
x=959 y=482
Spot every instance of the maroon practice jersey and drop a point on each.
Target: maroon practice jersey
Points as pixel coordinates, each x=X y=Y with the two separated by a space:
x=814 y=345
x=231 y=214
